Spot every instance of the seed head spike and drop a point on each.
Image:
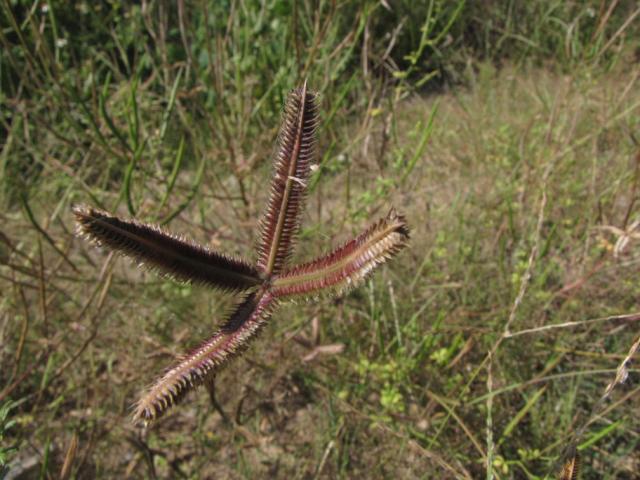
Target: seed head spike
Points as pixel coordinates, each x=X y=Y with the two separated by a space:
x=172 y=255
x=294 y=154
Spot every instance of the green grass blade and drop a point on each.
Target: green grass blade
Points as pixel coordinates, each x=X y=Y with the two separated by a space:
x=128 y=176
x=107 y=118
x=417 y=154
x=599 y=435
x=170 y=105
x=521 y=414
x=190 y=196
x=174 y=174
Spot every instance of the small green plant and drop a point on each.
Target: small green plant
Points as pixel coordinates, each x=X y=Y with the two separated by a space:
x=271 y=280
x=5 y=424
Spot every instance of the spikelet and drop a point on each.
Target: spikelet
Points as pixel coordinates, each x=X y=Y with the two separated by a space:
x=173 y=256
x=347 y=265
x=294 y=154
x=194 y=367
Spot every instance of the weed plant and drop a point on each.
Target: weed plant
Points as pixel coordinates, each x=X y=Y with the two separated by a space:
x=506 y=131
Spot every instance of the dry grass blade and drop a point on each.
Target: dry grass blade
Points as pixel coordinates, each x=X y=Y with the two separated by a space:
x=622 y=374
x=69 y=458
x=208 y=358
x=294 y=154
x=347 y=265
x=172 y=255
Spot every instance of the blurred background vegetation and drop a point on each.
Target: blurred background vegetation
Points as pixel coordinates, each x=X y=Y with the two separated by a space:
x=507 y=133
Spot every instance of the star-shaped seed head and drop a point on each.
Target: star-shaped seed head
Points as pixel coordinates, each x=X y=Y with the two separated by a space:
x=263 y=285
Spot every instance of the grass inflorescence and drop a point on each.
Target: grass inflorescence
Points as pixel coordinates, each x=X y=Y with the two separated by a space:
x=270 y=280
